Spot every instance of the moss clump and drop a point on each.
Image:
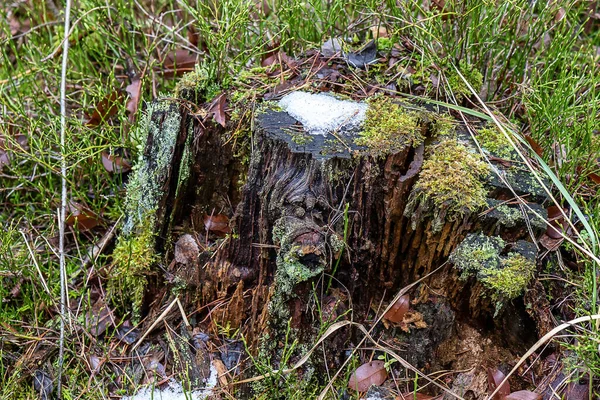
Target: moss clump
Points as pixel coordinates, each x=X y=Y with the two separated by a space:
x=443 y=125
x=133 y=258
x=388 y=127
x=459 y=87
x=197 y=85
x=506 y=276
x=477 y=252
x=494 y=142
x=513 y=276
x=452 y=178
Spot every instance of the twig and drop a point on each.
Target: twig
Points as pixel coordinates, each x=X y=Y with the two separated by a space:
x=63 y=204
x=160 y=318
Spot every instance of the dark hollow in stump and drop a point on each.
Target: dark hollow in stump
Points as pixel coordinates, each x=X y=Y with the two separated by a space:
x=304 y=211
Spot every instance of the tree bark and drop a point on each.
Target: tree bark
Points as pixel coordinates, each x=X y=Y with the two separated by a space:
x=301 y=214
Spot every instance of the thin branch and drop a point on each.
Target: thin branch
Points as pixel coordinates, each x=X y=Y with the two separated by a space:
x=63 y=204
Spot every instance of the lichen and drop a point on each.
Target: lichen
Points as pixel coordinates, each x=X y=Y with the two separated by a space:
x=494 y=142
x=477 y=252
x=506 y=276
x=452 y=177
x=134 y=254
x=388 y=127
x=509 y=216
x=145 y=187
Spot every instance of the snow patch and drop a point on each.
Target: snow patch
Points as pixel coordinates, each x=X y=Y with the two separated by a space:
x=322 y=113
x=174 y=390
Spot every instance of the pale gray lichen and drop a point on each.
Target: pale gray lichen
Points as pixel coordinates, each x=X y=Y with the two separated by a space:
x=145 y=187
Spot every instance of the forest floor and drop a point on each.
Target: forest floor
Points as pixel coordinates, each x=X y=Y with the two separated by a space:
x=533 y=65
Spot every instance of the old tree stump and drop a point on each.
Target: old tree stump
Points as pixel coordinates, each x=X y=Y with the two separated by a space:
x=286 y=233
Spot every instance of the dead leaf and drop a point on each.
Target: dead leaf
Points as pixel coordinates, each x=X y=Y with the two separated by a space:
x=133 y=89
x=418 y=396
x=274 y=56
x=557 y=222
x=217 y=109
x=99 y=317
x=371 y=373
x=576 y=391
x=106 y=108
x=523 y=395
x=81 y=216
x=549 y=243
x=495 y=377
x=218 y=224
x=398 y=310
x=534 y=145
x=186 y=250
x=114 y=163
x=594 y=177
x=178 y=62
x=560 y=15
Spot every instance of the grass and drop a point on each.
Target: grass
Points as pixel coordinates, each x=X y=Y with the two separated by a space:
x=538 y=64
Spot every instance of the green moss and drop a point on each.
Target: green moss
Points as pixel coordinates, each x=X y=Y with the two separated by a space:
x=506 y=276
x=133 y=258
x=513 y=276
x=443 y=125
x=385 y=44
x=452 y=178
x=494 y=142
x=199 y=83
x=458 y=86
x=388 y=127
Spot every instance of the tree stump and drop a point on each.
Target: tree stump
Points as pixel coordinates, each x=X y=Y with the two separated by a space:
x=303 y=230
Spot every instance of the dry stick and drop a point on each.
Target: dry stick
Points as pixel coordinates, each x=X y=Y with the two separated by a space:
x=63 y=203
x=539 y=344
x=37 y=267
x=160 y=318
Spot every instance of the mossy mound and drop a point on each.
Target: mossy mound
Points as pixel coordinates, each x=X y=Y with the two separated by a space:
x=389 y=127
x=506 y=276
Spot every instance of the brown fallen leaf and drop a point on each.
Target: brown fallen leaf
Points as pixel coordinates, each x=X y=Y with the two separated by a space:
x=534 y=145
x=133 y=89
x=523 y=395
x=106 y=108
x=418 y=396
x=398 y=310
x=557 y=222
x=594 y=177
x=217 y=109
x=178 y=62
x=576 y=391
x=114 y=163
x=218 y=224
x=99 y=317
x=495 y=378
x=371 y=373
x=549 y=243
x=81 y=216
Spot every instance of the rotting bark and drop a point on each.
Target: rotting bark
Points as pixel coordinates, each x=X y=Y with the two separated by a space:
x=287 y=217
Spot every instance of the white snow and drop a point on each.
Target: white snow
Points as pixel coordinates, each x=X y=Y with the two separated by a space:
x=174 y=390
x=322 y=113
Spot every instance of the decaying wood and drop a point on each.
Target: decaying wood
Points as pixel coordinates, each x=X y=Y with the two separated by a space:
x=287 y=217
